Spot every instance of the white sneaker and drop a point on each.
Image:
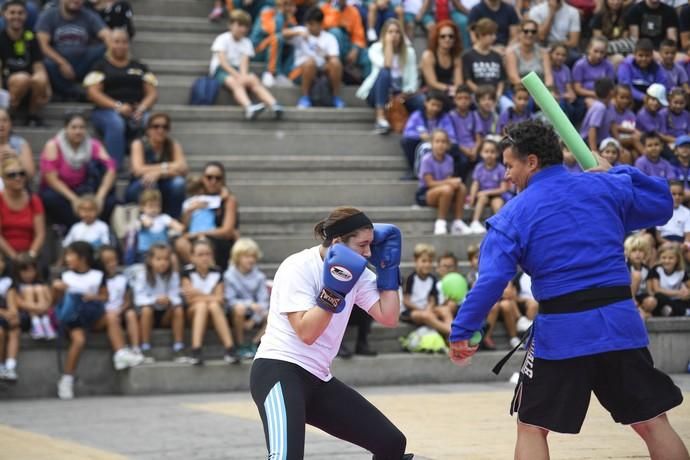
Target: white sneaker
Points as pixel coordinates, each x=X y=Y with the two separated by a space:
x=514 y=342
x=65 y=387
x=477 y=228
x=124 y=358
x=523 y=324
x=37 y=332
x=382 y=126
x=252 y=111
x=441 y=227
x=10 y=375
x=268 y=80
x=371 y=35
x=459 y=228
x=50 y=333
x=283 y=81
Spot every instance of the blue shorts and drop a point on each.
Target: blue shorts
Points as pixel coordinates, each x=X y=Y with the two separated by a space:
x=420 y=196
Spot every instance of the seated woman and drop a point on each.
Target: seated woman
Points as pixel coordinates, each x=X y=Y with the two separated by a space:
x=527 y=56
x=222 y=231
x=157 y=160
x=123 y=90
x=72 y=164
x=14 y=146
x=22 y=219
x=441 y=64
x=394 y=71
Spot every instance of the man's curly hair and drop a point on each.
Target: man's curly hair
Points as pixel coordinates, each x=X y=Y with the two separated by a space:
x=533 y=137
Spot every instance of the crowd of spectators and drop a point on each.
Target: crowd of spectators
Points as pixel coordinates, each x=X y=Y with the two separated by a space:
x=619 y=70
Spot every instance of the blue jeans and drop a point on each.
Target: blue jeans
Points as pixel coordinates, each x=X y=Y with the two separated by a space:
x=115 y=129
x=81 y=63
x=73 y=312
x=382 y=89
x=172 y=189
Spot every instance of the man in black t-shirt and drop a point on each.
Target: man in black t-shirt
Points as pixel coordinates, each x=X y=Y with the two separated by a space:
x=503 y=14
x=654 y=20
x=23 y=72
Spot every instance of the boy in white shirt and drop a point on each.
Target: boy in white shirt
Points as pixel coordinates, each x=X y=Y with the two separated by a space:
x=678 y=227
x=230 y=66
x=316 y=51
x=89 y=228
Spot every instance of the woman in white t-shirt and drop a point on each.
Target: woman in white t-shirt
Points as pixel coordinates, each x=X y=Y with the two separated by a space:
x=291 y=381
x=230 y=66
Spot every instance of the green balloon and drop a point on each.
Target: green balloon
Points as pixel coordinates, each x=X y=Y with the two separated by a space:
x=454 y=286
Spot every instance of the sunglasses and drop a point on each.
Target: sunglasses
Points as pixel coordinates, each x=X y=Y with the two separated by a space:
x=15 y=174
x=160 y=126
x=211 y=177
x=448 y=36
x=529 y=31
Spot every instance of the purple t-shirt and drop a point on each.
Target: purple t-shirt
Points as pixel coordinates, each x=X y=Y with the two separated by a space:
x=574 y=168
x=675 y=76
x=510 y=116
x=648 y=122
x=659 y=168
x=586 y=74
x=561 y=77
x=626 y=119
x=675 y=125
x=596 y=117
x=489 y=178
x=488 y=125
x=464 y=127
x=439 y=170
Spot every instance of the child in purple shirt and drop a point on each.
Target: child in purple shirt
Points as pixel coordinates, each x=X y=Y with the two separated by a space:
x=489 y=186
x=624 y=123
x=519 y=112
x=651 y=162
x=438 y=188
x=675 y=72
x=597 y=123
x=676 y=120
x=649 y=117
x=590 y=68
x=463 y=121
x=640 y=70
x=563 y=83
x=610 y=150
x=421 y=123
x=485 y=116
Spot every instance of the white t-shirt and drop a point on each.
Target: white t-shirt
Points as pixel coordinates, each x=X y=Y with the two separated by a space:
x=233 y=50
x=146 y=294
x=678 y=225
x=89 y=282
x=211 y=201
x=96 y=233
x=319 y=48
x=205 y=284
x=525 y=286
x=296 y=285
x=117 y=288
x=566 y=20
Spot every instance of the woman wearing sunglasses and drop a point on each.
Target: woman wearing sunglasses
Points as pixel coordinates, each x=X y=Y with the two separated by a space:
x=14 y=146
x=222 y=232
x=22 y=220
x=441 y=65
x=527 y=56
x=157 y=160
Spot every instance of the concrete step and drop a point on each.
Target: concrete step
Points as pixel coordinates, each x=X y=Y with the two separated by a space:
x=194 y=67
x=172 y=8
x=173 y=25
x=172 y=46
x=268 y=142
x=325 y=193
x=277 y=248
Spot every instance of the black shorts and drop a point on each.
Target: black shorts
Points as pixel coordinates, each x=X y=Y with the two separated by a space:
x=420 y=196
x=555 y=394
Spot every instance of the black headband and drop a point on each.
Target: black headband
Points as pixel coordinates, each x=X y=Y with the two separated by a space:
x=347 y=225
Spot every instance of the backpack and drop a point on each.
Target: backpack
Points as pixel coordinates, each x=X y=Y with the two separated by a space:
x=204 y=91
x=422 y=149
x=424 y=340
x=321 y=94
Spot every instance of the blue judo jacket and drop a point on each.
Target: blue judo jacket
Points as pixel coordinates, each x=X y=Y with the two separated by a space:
x=566 y=231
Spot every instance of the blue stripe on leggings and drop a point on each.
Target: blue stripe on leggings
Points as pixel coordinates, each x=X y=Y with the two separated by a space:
x=274 y=406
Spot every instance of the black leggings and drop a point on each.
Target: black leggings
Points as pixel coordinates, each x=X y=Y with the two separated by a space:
x=288 y=396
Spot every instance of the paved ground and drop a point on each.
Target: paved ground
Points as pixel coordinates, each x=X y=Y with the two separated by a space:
x=441 y=422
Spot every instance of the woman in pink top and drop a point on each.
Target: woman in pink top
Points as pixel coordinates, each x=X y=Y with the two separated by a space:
x=72 y=164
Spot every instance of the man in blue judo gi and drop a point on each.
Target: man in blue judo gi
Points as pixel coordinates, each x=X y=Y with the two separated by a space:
x=566 y=231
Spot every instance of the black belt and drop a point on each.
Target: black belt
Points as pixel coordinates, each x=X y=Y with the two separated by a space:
x=586 y=299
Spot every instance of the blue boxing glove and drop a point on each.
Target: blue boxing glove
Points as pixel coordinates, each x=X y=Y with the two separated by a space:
x=385 y=256
x=342 y=267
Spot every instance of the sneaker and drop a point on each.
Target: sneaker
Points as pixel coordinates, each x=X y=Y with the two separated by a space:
x=460 y=228
x=441 y=227
x=666 y=310
x=247 y=352
x=477 y=228
x=180 y=357
x=232 y=356
x=382 y=126
x=488 y=343
x=50 y=333
x=148 y=356
x=371 y=35
x=253 y=111
x=514 y=342
x=215 y=14
x=126 y=358
x=278 y=111
x=195 y=359
x=523 y=324
x=515 y=378
x=268 y=80
x=37 y=332
x=10 y=375
x=65 y=388
x=283 y=81
x=304 y=102
x=338 y=103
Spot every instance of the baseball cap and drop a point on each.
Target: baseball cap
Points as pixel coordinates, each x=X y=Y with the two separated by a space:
x=608 y=141
x=682 y=140
x=658 y=91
